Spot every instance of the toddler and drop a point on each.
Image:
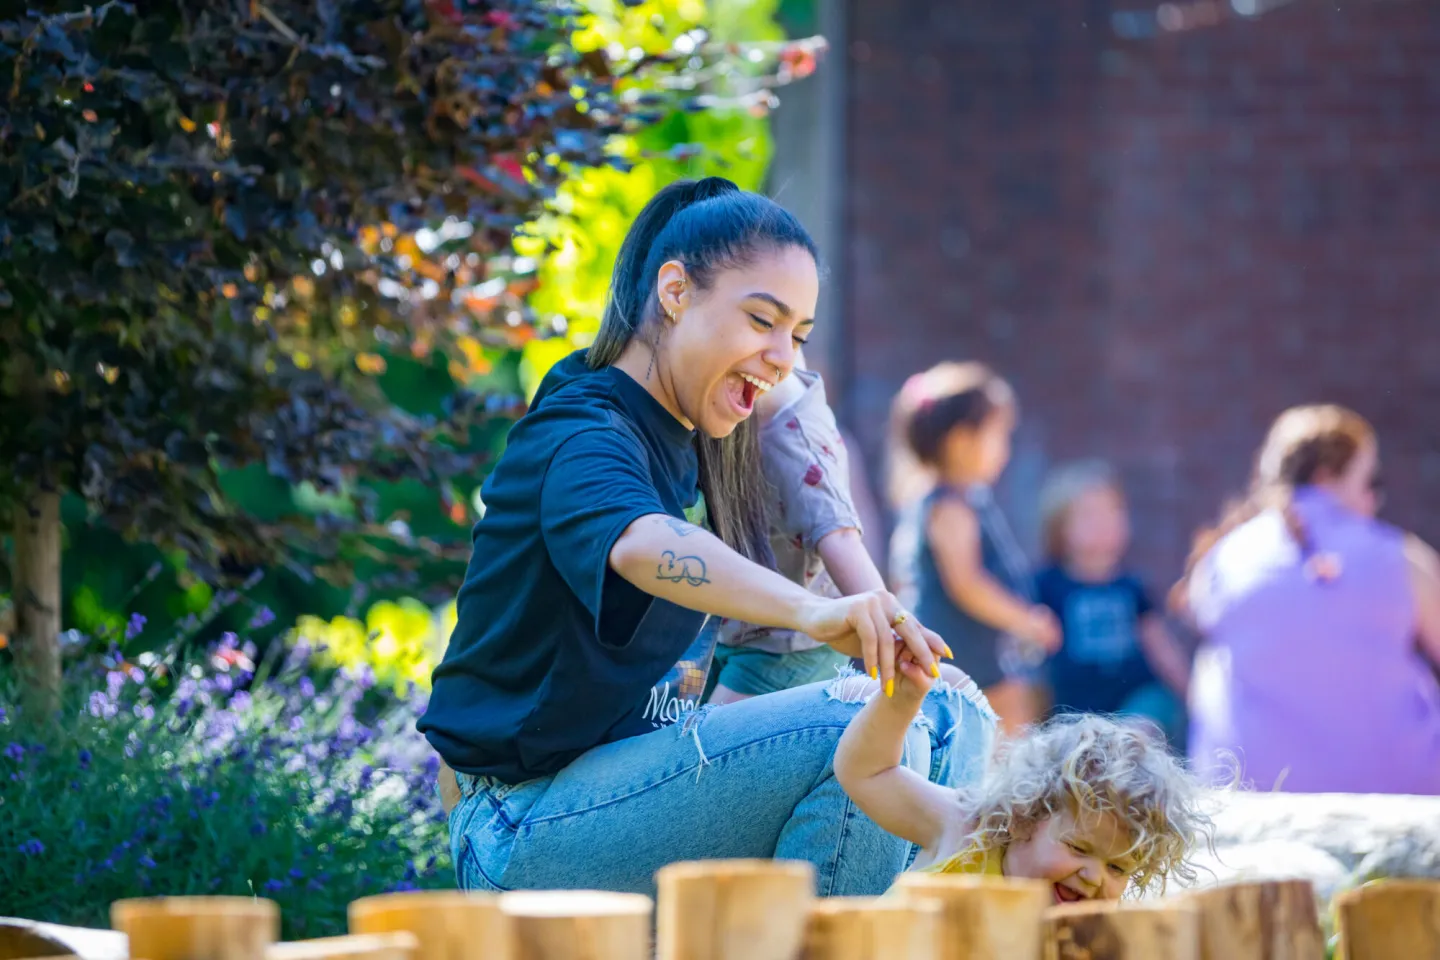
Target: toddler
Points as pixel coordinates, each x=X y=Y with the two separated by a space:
x=815 y=535
x=1095 y=808
x=1117 y=657
x=957 y=563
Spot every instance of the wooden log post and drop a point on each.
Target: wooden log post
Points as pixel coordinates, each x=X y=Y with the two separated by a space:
x=983 y=918
x=733 y=909
x=197 y=928
x=1116 y=930
x=36 y=592
x=872 y=928
x=1390 y=918
x=380 y=946
x=449 y=924
x=579 y=924
x=1270 y=920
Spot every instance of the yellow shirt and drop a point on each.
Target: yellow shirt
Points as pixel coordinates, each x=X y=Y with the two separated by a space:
x=970 y=861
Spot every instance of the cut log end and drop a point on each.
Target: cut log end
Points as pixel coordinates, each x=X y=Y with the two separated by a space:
x=1114 y=930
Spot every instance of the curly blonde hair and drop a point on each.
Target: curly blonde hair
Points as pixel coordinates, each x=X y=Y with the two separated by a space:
x=1089 y=764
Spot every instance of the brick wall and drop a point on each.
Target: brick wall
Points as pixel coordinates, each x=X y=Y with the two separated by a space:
x=1163 y=241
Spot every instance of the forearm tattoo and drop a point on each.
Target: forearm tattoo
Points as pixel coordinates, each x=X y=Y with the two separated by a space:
x=675 y=569
x=680 y=527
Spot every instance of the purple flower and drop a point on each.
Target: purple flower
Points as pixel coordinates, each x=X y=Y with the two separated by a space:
x=297 y=724
x=307 y=688
x=32 y=848
x=146 y=862
x=84 y=759
x=135 y=626
x=137 y=674
x=114 y=683
x=274 y=886
x=263 y=618
x=224 y=684
x=14 y=751
x=102 y=706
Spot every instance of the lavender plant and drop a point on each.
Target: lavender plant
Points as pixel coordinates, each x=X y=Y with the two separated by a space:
x=218 y=775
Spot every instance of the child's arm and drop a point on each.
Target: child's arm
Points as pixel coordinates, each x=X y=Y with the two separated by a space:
x=954 y=534
x=868 y=766
x=849 y=564
x=1164 y=654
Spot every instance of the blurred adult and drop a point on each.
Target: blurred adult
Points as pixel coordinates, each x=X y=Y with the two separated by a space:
x=1321 y=624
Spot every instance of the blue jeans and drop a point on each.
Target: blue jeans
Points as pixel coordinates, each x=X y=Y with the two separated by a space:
x=748 y=779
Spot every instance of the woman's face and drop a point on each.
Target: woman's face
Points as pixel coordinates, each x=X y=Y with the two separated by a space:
x=729 y=344
x=1358 y=485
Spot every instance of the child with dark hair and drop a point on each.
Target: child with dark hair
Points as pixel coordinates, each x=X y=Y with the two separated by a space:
x=1116 y=657
x=957 y=563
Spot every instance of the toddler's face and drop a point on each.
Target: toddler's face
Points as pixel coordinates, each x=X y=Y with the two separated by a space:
x=984 y=451
x=1082 y=859
x=1097 y=525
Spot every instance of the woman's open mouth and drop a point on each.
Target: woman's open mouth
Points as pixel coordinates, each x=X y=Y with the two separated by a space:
x=743 y=390
x=1064 y=894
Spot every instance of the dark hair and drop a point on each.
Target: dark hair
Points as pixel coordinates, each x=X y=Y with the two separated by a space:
x=708 y=225
x=928 y=407
x=1305 y=445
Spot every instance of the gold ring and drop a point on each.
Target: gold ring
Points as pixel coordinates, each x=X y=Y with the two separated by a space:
x=900 y=618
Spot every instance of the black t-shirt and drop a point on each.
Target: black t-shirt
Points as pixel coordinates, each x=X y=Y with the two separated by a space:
x=553 y=653
x=1100 y=661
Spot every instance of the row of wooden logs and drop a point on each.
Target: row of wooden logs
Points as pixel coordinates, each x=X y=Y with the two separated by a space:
x=767 y=910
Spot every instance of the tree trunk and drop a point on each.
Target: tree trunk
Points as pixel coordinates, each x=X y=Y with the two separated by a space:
x=1109 y=930
x=449 y=924
x=1391 y=918
x=983 y=918
x=733 y=909
x=579 y=924
x=198 y=928
x=872 y=928
x=1271 y=920
x=37 y=601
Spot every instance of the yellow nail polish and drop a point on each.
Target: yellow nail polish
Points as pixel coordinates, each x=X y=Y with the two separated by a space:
x=935 y=670
x=874 y=674
x=949 y=654
x=889 y=688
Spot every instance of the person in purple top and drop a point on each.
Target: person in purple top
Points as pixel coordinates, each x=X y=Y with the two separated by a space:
x=1321 y=625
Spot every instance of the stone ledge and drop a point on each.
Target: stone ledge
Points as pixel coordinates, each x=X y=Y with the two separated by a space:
x=1334 y=840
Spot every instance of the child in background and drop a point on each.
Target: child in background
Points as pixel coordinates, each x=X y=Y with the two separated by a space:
x=815 y=537
x=957 y=563
x=1091 y=806
x=1117 y=657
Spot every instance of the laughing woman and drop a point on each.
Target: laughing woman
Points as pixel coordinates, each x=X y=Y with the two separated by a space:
x=618 y=530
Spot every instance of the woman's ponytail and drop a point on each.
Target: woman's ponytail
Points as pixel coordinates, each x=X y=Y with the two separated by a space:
x=629 y=290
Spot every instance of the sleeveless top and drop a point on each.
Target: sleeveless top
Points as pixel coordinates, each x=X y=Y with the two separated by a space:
x=982 y=651
x=1313 y=685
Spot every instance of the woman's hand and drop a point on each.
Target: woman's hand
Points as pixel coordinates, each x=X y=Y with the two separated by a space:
x=869 y=625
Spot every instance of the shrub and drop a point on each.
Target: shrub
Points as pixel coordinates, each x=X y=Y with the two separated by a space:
x=218 y=777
